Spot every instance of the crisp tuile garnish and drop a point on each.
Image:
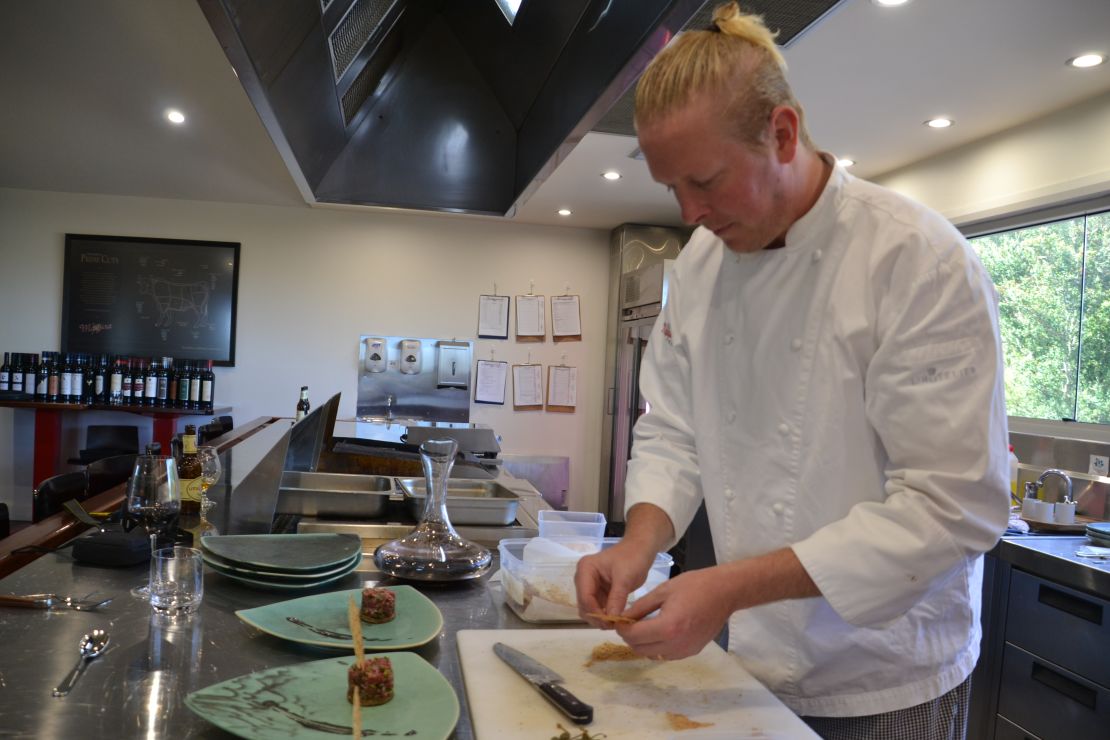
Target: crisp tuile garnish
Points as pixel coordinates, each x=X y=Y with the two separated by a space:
x=356 y=628
x=356 y=716
x=612 y=618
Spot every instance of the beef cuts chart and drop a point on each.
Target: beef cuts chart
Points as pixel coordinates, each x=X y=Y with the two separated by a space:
x=150 y=297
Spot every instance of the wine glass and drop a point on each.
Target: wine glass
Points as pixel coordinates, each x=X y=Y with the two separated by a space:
x=153 y=500
x=210 y=472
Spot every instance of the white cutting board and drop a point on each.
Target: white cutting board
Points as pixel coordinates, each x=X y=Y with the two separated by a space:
x=630 y=699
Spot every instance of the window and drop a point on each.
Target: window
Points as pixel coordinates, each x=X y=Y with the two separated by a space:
x=1053 y=281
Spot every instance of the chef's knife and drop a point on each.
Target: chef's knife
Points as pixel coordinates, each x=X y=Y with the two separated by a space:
x=547 y=683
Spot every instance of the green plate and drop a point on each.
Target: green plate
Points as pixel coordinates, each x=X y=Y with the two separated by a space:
x=418 y=620
x=223 y=566
x=309 y=700
x=287 y=553
x=277 y=582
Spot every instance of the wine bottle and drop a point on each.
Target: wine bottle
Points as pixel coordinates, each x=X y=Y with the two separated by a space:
x=88 y=382
x=100 y=377
x=6 y=373
x=171 y=384
x=43 y=376
x=194 y=388
x=30 y=374
x=15 y=374
x=189 y=471
x=183 y=386
x=163 y=378
x=115 y=383
x=125 y=386
x=207 y=388
x=138 y=382
x=302 y=404
x=54 y=379
x=67 y=379
x=150 y=383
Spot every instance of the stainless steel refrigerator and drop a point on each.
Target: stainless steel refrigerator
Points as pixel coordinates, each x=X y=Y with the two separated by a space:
x=640 y=263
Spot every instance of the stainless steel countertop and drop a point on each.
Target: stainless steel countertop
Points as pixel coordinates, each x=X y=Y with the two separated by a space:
x=1053 y=557
x=136 y=689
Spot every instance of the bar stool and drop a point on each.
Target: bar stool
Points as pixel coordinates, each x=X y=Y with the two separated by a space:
x=109 y=472
x=55 y=491
x=106 y=440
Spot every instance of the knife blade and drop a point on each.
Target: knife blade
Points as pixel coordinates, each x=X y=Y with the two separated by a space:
x=546 y=681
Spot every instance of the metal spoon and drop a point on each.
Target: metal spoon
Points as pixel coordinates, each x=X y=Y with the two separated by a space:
x=91 y=646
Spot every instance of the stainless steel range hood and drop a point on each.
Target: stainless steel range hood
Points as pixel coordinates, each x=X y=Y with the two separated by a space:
x=435 y=104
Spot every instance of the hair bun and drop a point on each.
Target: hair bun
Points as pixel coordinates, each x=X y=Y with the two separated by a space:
x=724 y=13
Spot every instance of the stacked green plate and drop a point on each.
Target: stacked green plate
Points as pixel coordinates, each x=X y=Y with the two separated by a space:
x=1099 y=533
x=282 y=562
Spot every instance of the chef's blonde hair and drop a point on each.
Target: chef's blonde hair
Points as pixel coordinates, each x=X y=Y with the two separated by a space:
x=737 y=61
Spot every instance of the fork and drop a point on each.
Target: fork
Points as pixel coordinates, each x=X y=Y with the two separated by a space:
x=52 y=601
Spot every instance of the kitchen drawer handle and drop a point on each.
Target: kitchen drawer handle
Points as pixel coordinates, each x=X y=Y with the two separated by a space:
x=1073 y=605
x=1072 y=689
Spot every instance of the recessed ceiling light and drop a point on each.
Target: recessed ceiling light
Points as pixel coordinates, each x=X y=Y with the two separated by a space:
x=845 y=162
x=889 y=3
x=175 y=116
x=939 y=122
x=1086 y=60
x=564 y=211
x=611 y=175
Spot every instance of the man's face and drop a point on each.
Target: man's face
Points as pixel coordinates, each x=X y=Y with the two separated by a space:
x=727 y=185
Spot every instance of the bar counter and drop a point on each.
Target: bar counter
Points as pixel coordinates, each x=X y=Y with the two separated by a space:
x=137 y=687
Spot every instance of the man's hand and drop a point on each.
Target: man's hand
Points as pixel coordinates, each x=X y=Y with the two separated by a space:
x=604 y=581
x=694 y=606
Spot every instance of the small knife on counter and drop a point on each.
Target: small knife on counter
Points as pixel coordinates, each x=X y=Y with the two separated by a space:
x=547 y=683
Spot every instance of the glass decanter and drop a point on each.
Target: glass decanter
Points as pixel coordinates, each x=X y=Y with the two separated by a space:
x=434 y=551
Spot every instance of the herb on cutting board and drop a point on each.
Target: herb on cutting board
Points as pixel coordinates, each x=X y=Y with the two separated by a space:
x=584 y=735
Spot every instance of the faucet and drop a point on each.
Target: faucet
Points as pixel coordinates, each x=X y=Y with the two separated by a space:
x=389 y=417
x=1059 y=473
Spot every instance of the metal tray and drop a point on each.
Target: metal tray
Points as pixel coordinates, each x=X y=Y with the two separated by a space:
x=468 y=501
x=333 y=494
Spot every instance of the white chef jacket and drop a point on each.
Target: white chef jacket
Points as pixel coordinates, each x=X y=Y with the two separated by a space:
x=843 y=396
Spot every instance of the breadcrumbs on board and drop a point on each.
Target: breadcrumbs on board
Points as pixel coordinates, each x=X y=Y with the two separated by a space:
x=611 y=651
x=682 y=722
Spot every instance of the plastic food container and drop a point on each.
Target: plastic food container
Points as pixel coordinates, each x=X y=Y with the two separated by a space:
x=539 y=584
x=584 y=524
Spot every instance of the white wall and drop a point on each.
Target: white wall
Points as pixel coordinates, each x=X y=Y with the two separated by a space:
x=1060 y=157
x=311 y=281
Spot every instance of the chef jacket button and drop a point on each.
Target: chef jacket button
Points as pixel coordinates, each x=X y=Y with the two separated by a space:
x=728 y=339
x=731 y=416
x=777 y=507
x=796 y=344
x=784 y=429
x=817 y=254
x=729 y=494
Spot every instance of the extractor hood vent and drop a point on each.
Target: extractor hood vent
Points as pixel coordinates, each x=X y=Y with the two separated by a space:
x=369 y=77
x=353 y=31
x=440 y=104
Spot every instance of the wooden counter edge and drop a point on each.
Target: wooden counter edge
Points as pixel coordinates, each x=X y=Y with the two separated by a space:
x=58 y=529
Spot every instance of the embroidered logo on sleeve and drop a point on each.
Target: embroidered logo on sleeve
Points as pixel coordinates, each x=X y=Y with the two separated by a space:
x=667 y=332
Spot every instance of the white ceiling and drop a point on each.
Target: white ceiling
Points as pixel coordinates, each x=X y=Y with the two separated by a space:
x=84 y=85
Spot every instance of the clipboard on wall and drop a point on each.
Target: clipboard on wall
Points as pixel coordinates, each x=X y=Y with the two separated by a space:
x=530 y=325
x=493 y=317
x=562 y=389
x=489 y=384
x=528 y=387
x=566 y=318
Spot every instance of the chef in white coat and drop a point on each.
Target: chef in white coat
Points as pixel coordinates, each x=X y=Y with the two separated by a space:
x=827 y=377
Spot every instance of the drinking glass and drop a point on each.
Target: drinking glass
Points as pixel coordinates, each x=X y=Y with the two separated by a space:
x=153 y=500
x=210 y=472
x=176 y=581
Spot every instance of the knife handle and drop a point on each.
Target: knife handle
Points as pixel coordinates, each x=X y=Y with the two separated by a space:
x=580 y=712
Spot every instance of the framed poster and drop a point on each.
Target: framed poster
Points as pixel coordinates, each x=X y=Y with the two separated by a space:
x=143 y=297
